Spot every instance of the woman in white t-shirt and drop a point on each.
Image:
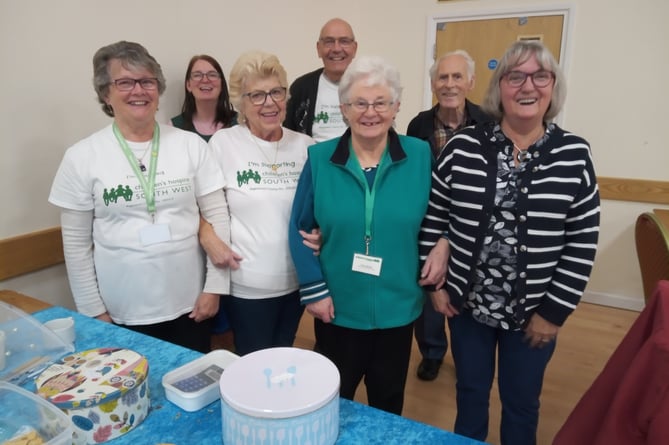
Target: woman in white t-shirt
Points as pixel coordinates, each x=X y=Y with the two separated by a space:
x=130 y=197
x=261 y=163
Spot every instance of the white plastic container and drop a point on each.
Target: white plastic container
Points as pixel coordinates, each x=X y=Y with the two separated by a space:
x=23 y=411
x=196 y=384
x=280 y=396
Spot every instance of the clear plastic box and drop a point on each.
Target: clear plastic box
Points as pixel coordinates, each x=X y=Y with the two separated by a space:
x=196 y=384
x=24 y=412
x=26 y=345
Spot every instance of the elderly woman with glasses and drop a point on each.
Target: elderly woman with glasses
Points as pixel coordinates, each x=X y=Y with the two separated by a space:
x=131 y=196
x=206 y=108
x=367 y=191
x=261 y=163
x=512 y=225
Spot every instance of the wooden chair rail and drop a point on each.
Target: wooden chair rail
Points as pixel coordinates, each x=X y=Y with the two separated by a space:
x=637 y=190
x=30 y=252
x=37 y=250
x=24 y=302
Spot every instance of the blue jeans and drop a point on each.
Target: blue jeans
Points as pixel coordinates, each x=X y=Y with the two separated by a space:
x=430 y=332
x=521 y=373
x=263 y=323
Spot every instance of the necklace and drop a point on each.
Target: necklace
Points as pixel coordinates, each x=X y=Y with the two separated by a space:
x=273 y=165
x=140 y=161
x=519 y=155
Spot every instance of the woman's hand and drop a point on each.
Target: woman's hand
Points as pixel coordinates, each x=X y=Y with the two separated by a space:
x=540 y=331
x=218 y=252
x=322 y=309
x=105 y=317
x=206 y=307
x=441 y=302
x=313 y=240
x=435 y=267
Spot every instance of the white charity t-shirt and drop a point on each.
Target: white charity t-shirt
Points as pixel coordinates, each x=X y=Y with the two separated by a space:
x=328 y=120
x=261 y=178
x=141 y=284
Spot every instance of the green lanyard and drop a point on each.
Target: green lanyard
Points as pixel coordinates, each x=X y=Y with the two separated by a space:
x=148 y=185
x=370 y=195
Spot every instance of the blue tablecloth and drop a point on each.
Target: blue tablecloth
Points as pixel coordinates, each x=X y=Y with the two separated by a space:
x=167 y=423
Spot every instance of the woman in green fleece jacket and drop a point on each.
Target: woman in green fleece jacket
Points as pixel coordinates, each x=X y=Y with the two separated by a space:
x=367 y=191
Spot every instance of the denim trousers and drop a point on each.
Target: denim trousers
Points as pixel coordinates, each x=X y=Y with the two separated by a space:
x=263 y=323
x=430 y=332
x=520 y=367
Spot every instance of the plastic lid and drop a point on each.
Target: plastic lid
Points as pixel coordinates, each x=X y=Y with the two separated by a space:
x=92 y=377
x=279 y=383
x=28 y=345
x=23 y=410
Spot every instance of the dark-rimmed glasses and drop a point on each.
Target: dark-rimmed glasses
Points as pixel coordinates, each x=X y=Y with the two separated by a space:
x=329 y=42
x=127 y=84
x=198 y=76
x=539 y=78
x=361 y=106
x=258 y=97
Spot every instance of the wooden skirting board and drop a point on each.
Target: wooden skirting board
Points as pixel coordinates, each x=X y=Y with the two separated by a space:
x=30 y=252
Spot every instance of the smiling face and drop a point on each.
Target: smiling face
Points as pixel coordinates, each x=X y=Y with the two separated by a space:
x=134 y=108
x=205 y=88
x=369 y=124
x=264 y=120
x=452 y=82
x=336 y=57
x=526 y=103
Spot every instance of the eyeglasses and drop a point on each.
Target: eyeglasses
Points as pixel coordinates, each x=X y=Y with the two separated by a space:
x=127 y=84
x=258 y=97
x=344 y=42
x=539 y=78
x=380 y=106
x=199 y=75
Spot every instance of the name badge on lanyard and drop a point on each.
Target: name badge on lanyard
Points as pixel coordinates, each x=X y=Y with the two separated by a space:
x=368 y=264
x=154 y=234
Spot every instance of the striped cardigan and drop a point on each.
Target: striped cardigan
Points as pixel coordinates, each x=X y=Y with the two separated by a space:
x=557 y=210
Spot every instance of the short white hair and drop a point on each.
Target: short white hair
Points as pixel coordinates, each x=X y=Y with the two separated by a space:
x=376 y=71
x=471 y=66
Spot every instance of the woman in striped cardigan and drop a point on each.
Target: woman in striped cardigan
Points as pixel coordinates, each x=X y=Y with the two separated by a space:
x=509 y=240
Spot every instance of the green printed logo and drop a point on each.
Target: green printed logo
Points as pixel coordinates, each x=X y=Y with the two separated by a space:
x=322 y=117
x=244 y=176
x=115 y=193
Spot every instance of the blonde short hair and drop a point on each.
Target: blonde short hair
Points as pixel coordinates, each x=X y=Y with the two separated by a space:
x=253 y=65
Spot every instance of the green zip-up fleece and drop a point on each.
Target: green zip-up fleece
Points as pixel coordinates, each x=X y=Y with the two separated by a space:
x=331 y=195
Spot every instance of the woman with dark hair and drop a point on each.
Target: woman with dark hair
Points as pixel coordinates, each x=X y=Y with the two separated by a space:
x=206 y=110
x=206 y=107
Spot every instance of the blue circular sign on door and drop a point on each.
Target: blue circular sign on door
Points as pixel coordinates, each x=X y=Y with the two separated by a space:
x=492 y=64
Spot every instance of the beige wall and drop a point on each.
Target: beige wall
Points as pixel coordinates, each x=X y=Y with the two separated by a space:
x=616 y=86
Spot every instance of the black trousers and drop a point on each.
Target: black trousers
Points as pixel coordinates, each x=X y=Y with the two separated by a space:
x=182 y=331
x=380 y=356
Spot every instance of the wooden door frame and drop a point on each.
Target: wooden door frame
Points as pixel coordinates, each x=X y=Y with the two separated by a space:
x=464 y=12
